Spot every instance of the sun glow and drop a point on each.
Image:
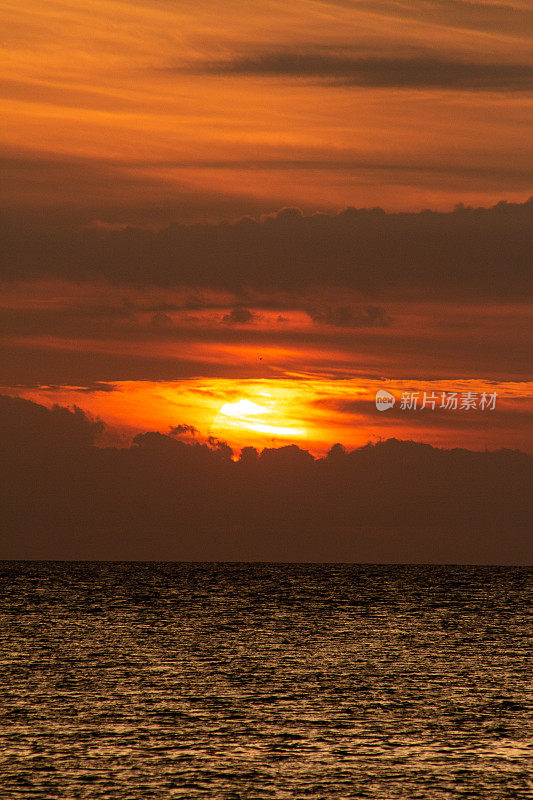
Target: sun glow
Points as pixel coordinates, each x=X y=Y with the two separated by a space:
x=246 y=415
x=243 y=408
x=313 y=412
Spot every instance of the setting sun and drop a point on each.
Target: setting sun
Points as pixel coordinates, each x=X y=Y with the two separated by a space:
x=243 y=408
x=247 y=415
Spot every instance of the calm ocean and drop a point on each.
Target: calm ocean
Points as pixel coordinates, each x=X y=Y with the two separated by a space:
x=171 y=680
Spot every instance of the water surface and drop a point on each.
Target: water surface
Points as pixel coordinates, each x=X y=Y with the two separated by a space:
x=160 y=680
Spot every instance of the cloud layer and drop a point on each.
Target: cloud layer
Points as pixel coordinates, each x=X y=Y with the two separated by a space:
x=176 y=111
x=163 y=499
x=421 y=72
x=486 y=251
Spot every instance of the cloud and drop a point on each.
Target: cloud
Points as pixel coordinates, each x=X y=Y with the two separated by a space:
x=92 y=388
x=40 y=189
x=163 y=499
x=106 y=153
x=461 y=334
x=433 y=423
x=238 y=316
x=467 y=252
x=39 y=430
x=44 y=191
x=418 y=72
x=220 y=447
x=179 y=430
x=349 y=317
x=161 y=321
x=499 y=18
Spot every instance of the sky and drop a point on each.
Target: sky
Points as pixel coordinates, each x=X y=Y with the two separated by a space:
x=152 y=111
x=242 y=220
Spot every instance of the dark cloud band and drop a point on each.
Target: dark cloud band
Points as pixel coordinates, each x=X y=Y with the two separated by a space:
x=485 y=251
x=423 y=72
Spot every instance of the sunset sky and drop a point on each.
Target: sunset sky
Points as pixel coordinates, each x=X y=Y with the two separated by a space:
x=178 y=250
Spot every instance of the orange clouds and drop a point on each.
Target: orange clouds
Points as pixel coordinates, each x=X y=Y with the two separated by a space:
x=121 y=117
x=275 y=369
x=132 y=104
x=312 y=411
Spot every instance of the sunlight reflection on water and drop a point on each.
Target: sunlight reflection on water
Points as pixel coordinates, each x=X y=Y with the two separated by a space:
x=255 y=681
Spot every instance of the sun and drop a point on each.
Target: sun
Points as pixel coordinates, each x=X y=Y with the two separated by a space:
x=243 y=408
x=246 y=415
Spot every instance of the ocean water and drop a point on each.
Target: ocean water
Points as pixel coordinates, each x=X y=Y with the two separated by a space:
x=160 y=680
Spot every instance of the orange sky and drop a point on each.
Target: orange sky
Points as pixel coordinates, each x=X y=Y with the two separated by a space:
x=123 y=117
x=311 y=412
x=270 y=379
x=149 y=111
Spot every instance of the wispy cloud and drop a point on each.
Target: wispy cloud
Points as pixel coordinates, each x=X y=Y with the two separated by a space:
x=417 y=72
x=511 y=19
x=349 y=317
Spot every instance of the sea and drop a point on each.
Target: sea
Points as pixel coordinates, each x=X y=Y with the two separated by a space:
x=256 y=681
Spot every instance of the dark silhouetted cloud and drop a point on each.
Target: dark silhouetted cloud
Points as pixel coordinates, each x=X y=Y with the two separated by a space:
x=34 y=428
x=238 y=316
x=418 y=72
x=485 y=251
x=163 y=499
x=179 y=430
